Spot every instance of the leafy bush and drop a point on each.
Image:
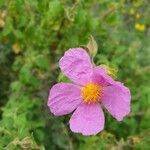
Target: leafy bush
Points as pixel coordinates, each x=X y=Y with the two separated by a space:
x=34 y=36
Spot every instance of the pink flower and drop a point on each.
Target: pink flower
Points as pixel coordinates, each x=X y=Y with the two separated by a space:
x=91 y=86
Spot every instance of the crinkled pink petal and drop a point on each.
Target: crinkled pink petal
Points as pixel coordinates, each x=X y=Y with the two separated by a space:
x=100 y=77
x=116 y=99
x=76 y=65
x=64 y=98
x=87 y=119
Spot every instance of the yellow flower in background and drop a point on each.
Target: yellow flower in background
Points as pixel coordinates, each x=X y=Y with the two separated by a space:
x=131 y=12
x=140 y=27
x=3 y=14
x=16 y=48
x=137 y=16
x=2 y=18
x=2 y=23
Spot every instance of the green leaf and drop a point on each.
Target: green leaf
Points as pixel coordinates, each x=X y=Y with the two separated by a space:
x=42 y=62
x=8 y=26
x=25 y=73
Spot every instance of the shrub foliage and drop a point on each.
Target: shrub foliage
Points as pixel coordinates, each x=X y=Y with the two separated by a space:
x=34 y=35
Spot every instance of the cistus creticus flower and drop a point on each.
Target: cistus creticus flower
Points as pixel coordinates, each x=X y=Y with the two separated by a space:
x=90 y=87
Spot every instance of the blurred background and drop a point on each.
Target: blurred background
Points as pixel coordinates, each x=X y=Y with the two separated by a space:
x=34 y=34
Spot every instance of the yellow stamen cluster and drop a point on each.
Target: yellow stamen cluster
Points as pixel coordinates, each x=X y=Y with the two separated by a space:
x=91 y=93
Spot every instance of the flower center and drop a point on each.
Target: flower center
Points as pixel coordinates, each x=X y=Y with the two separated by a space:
x=91 y=93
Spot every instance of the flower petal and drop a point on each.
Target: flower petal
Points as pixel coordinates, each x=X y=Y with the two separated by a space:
x=116 y=99
x=87 y=119
x=100 y=77
x=76 y=65
x=63 y=98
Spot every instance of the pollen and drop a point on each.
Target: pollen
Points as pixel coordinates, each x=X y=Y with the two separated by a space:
x=91 y=93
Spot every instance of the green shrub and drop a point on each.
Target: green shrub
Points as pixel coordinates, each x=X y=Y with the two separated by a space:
x=34 y=36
